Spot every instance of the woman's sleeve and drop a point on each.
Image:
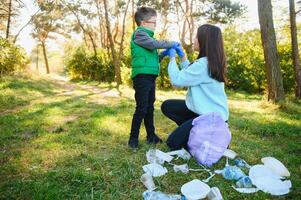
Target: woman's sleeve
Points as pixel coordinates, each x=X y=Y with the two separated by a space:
x=193 y=75
x=184 y=64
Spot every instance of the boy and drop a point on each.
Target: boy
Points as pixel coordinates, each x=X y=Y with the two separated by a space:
x=145 y=69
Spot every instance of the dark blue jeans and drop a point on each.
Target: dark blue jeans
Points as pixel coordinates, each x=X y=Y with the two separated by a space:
x=145 y=89
x=177 y=111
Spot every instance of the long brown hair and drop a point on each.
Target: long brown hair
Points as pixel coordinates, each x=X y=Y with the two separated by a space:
x=211 y=45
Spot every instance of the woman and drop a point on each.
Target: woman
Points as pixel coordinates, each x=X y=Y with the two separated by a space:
x=205 y=79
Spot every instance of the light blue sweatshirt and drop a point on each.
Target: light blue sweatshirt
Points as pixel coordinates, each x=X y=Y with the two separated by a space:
x=204 y=94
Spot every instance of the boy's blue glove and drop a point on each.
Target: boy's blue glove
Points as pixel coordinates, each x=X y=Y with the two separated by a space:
x=174 y=44
x=171 y=53
x=163 y=53
x=180 y=51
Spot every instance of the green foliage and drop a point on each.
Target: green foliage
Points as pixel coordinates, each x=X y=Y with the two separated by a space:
x=287 y=68
x=12 y=57
x=84 y=65
x=245 y=60
x=246 y=70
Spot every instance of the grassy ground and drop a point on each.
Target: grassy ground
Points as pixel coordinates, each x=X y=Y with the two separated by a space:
x=62 y=140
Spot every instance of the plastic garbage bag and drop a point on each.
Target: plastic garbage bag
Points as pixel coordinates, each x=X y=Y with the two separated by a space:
x=157 y=195
x=244 y=182
x=214 y=194
x=268 y=181
x=232 y=173
x=154 y=170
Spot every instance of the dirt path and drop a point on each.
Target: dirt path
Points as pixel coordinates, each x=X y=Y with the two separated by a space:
x=66 y=88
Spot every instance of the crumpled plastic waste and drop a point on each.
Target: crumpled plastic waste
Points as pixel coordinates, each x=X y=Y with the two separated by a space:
x=229 y=154
x=214 y=194
x=244 y=182
x=157 y=156
x=181 y=168
x=231 y=173
x=276 y=166
x=157 y=195
x=268 y=181
x=154 y=170
x=242 y=163
x=180 y=153
x=246 y=190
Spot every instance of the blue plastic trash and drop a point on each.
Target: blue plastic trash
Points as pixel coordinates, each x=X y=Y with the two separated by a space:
x=157 y=195
x=244 y=182
x=232 y=173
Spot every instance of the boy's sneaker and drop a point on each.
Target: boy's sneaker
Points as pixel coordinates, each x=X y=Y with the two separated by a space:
x=133 y=143
x=154 y=139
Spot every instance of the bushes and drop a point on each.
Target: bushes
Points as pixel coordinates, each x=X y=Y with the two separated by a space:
x=84 y=65
x=246 y=70
x=12 y=58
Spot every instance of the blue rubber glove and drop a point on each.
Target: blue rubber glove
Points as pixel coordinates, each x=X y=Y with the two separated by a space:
x=180 y=51
x=163 y=53
x=171 y=53
x=175 y=44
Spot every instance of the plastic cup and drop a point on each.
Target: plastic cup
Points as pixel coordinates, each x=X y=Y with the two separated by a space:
x=148 y=182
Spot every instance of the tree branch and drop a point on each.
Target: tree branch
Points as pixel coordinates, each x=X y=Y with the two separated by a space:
x=29 y=21
x=298 y=12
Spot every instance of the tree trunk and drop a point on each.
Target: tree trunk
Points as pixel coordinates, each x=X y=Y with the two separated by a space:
x=37 y=64
x=115 y=60
x=45 y=57
x=295 y=50
x=133 y=15
x=273 y=72
x=8 y=19
x=123 y=30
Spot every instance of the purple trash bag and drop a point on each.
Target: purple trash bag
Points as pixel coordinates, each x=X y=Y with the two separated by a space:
x=209 y=138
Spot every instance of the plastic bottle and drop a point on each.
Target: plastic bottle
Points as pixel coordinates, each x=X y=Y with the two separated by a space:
x=157 y=195
x=244 y=182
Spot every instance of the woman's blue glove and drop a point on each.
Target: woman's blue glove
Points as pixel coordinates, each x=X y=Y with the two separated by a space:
x=180 y=51
x=171 y=53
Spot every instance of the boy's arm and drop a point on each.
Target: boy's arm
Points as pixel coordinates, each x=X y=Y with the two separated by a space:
x=142 y=39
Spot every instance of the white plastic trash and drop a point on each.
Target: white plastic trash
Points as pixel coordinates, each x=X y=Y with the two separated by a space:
x=154 y=170
x=246 y=190
x=214 y=194
x=195 y=190
x=275 y=165
x=230 y=154
x=148 y=182
x=268 y=181
x=164 y=156
x=181 y=168
x=180 y=153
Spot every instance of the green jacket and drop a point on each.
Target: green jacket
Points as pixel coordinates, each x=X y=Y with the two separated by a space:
x=144 y=61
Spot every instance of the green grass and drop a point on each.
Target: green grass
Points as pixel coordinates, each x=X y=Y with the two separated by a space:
x=63 y=140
